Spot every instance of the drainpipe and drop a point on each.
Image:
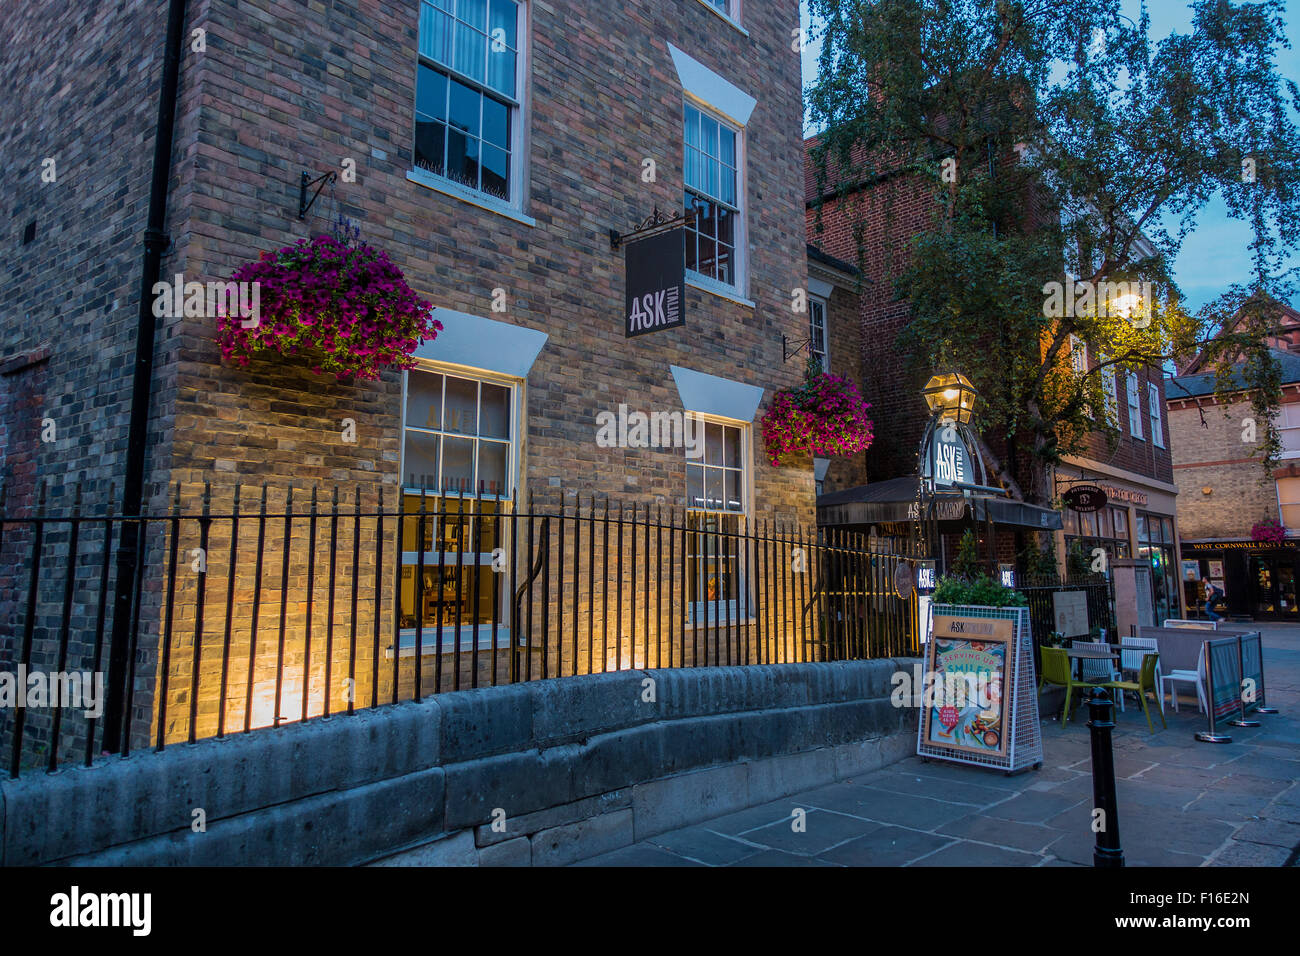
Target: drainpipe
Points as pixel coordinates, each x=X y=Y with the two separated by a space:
x=156 y=242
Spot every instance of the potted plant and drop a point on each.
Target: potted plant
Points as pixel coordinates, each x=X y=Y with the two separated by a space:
x=334 y=299
x=1268 y=531
x=825 y=416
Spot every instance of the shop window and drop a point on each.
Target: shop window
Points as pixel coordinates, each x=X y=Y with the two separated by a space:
x=716 y=501
x=458 y=463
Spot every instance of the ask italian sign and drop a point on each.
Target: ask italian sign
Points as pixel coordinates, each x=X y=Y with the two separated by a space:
x=656 y=284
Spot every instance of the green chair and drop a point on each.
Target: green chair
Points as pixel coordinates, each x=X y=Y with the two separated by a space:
x=1056 y=670
x=1146 y=682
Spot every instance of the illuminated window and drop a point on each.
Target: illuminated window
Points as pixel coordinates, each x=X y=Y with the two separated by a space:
x=458 y=443
x=716 y=503
x=1288 y=502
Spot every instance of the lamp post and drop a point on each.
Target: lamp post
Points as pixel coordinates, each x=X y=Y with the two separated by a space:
x=951 y=399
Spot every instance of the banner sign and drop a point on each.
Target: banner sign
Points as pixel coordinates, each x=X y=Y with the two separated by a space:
x=1085 y=498
x=1225 y=677
x=656 y=284
x=950 y=458
x=967 y=709
x=1252 y=671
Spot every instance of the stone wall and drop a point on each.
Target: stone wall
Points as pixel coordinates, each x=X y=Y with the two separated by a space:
x=543 y=773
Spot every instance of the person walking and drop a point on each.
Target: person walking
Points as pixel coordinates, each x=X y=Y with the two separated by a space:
x=1212 y=597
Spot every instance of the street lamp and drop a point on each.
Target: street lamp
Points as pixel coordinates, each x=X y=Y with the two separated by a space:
x=950 y=397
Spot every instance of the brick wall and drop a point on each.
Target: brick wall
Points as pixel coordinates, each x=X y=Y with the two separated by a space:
x=1214 y=456
x=887 y=216
x=281 y=89
x=845 y=359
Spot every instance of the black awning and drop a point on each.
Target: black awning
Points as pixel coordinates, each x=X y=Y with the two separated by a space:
x=895 y=500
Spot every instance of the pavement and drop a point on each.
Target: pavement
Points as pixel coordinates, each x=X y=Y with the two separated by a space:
x=1180 y=802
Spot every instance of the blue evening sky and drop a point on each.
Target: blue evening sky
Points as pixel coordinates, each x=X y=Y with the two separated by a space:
x=1216 y=253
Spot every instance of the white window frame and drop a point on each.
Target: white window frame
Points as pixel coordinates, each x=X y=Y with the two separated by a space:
x=469 y=635
x=1291 y=531
x=513 y=207
x=1157 y=419
x=1288 y=427
x=1110 y=386
x=1134 y=407
x=739 y=254
x=817 y=300
x=1078 y=355
x=731 y=14
x=702 y=614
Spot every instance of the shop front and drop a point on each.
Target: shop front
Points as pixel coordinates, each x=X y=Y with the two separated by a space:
x=1136 y=520
x=1258 y=580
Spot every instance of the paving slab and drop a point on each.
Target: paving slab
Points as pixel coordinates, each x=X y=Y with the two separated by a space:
x=1181 y=803
x=705 y=846
x=964 y=853
x=886 y=846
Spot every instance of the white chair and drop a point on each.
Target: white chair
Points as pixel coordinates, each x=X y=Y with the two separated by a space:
x=1196 y=677
x=1099 y=669
x=1131 y=660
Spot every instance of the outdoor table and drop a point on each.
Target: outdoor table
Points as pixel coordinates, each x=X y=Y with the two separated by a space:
x=1081 y=654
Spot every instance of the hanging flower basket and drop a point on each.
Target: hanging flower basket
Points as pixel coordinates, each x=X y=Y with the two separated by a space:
x=1268 y=531
x=336 y=300
x=824 y=416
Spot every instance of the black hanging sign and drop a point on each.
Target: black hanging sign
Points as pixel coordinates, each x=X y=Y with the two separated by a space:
x=656 y=284
x=1085 y=498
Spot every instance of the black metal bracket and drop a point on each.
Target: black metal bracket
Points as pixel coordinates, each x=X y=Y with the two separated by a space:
x=787 y=353
x=652 y=224
x=305 y=204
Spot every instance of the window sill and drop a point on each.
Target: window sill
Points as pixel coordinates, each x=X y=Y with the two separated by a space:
x=448 y=188
x=724 y=16
x=705 y=284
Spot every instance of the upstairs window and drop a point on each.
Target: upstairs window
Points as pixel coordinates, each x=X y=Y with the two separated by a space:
x=817 y=332
x=712 y=200
x=1157 y=418
x=467 y=98
x=1078 y=355
x=1134 y=409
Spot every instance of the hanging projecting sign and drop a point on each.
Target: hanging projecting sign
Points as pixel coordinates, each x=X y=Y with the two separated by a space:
x=656 y=284
x=1085 y=498
x=950 y=458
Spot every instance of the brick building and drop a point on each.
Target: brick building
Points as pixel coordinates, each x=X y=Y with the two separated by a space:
x=1224 y=490
x=1135 y=469
x=489 y=147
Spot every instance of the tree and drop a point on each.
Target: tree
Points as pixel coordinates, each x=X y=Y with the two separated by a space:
x=1069 y=153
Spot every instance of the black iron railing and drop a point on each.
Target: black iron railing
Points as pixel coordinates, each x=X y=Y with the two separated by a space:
x=1099 y=595
x=255 y=610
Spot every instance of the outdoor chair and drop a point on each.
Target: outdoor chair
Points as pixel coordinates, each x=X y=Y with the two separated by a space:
x=1146 y=682
x=1196 y=677
x=1101 y=670
x=1056 y=670
x=1130 y=661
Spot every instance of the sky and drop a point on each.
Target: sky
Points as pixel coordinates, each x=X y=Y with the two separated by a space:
x=1216 y=253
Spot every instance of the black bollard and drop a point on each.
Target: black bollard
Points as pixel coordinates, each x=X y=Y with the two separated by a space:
x=1101 y=712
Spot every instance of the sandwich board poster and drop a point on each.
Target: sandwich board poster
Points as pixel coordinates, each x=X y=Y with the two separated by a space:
x=965 y=709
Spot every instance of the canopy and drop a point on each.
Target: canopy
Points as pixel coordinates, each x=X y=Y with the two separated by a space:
x=896 y=499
